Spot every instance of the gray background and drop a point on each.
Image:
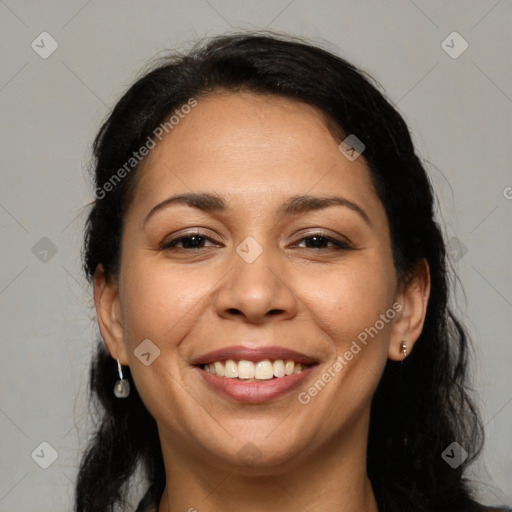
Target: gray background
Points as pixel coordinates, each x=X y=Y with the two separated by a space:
x=458 y=109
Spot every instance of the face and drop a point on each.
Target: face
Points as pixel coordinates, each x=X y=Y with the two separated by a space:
x=250 y=267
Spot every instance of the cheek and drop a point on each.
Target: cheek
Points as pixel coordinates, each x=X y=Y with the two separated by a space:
x=159 y=304
x=354 y=309
x=350 y=299
x=158 y=301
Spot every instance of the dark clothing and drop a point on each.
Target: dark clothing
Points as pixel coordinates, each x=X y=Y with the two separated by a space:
x=473 y=506
x=476 y=507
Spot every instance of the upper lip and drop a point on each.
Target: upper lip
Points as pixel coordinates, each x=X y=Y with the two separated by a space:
x=241 y=352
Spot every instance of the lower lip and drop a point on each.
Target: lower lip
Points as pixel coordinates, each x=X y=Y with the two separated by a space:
x=255 y=391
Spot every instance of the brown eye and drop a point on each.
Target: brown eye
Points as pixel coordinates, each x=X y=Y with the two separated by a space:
x=318 y=241
x=190 y=241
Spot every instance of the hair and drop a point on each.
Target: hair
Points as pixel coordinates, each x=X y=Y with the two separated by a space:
x=419 y=407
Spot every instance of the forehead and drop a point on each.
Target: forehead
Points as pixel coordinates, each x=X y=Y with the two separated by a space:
x=251 y=147
x=251 y=128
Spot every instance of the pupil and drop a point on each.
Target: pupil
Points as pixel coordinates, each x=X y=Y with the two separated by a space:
x=319 y=241
x=188 y=242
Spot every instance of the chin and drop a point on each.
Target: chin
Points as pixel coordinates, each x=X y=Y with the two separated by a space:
x=259 y=455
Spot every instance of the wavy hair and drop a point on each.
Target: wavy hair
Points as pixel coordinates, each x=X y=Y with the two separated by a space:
x=409 y=429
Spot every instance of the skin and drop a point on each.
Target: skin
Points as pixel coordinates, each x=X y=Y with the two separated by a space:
x=257 y=151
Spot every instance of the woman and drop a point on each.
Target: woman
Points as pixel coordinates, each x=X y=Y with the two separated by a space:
x=271 y=291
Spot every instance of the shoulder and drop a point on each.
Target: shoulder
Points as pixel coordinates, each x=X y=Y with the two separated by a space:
x=467 y=504
x=477 y=507
x=144 y=506
x=149 y=503
x=141 y=508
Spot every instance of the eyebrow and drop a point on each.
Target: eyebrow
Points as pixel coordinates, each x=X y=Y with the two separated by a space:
x=295 y=205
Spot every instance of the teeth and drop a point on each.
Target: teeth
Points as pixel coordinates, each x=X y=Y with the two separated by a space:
x=219 y=369
x=290 y=365
x=262 y=370
x=279 y=368
x=230 y=369
x=245 y=370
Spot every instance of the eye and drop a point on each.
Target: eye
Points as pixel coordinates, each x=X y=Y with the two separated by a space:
x=192 y=241
x=319 y=241
x=197 y=240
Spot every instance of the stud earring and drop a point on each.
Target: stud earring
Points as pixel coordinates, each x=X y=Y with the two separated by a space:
x=122 y=386
x=403 y=348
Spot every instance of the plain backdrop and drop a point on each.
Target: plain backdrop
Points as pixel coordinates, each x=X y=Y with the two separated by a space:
x=458 y=107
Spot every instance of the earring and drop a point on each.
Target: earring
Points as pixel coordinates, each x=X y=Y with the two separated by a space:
x=403 y=348
x=122 y=386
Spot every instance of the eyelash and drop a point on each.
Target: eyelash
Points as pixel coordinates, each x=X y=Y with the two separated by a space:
x=338 y=244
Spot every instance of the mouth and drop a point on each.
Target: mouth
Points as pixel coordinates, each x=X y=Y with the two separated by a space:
x=252 y=375
x=263 y=370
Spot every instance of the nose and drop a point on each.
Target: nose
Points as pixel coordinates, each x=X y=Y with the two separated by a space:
x=256 y=292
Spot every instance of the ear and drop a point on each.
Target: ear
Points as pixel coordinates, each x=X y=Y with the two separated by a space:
x=413 y=296
x=108 y=310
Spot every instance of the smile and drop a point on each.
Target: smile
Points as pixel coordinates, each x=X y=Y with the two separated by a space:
x=254 y=374
x=249 y=370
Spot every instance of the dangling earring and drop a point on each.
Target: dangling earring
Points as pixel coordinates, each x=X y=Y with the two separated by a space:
x=122 y=386
x=403 y=350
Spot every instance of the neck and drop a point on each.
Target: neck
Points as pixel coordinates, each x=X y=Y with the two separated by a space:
x=334 y=478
